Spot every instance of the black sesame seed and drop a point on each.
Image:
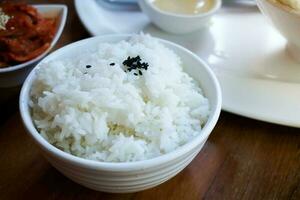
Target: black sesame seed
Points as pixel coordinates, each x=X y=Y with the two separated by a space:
x=135 y=74
x=85 y=73
x=88 y=66
x=135 y=63
x=112 y=64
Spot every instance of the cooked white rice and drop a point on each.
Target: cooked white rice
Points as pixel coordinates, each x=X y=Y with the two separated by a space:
x=106 y=114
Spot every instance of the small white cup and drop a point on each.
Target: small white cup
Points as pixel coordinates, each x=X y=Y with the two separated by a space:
x=177 y=23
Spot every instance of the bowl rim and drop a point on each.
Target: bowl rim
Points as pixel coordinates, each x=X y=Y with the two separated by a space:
x=57 y=35
x=283 y=7
x=117 y=166
x=217 y=6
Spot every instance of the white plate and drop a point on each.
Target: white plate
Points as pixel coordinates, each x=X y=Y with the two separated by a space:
x=258 y=78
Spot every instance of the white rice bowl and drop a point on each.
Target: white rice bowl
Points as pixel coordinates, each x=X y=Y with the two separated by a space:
x=107 y=113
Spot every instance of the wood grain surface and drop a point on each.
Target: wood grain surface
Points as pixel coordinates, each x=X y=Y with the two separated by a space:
x=242 y=159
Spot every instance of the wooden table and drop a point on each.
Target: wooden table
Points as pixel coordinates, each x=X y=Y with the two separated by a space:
x=242 y=159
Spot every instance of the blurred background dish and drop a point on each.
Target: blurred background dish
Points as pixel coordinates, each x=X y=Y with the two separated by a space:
x=258 y=78
x=286 y=18
x=119 y=4
x=12 y=77
x=15 y=75
x=24 y=33
x=180 y=17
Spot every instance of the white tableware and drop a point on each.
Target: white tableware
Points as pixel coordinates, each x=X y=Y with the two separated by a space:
x=135 y=176
x=287 y=22
x=178 y=23
x=119 y=4
x=15 y=75
x=259 y=79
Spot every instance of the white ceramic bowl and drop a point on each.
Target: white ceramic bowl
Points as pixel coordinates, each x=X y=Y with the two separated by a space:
x=287 y=22
x=13 y=76
x=177 y=23
x=134 y=176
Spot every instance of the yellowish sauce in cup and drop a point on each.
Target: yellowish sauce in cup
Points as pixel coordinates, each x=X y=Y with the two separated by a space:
x=188 y=7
